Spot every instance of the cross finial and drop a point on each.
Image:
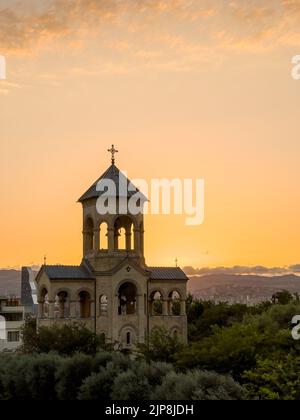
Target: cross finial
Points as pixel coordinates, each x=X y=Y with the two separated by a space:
x=176 y=262
x=45 y=260
x=113 y=151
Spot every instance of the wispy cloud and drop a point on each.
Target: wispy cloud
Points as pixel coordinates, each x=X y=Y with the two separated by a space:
x=129 y=36
x=238 y=24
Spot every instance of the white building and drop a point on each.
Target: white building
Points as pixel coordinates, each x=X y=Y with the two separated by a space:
x=13 y=312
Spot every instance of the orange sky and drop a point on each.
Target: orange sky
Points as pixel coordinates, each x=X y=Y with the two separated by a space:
x=188 y=89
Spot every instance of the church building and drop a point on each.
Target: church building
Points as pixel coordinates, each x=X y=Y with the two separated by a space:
x=113 y=291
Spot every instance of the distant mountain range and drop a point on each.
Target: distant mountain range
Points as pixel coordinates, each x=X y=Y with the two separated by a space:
x=241 y=288
x=219 y=287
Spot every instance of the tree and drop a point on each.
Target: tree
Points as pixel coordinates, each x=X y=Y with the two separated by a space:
x=161 y=346
x=62 y=339
x=282 y=298
x=198 y=385
x=71 y=375
x=275 y=379
x=130 y=386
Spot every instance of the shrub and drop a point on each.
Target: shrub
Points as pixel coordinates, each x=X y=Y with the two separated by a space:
x=71 y=374
x=198 y=385
x=130 y=386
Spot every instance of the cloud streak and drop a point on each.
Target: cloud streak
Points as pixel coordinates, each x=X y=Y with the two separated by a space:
x=222 y=24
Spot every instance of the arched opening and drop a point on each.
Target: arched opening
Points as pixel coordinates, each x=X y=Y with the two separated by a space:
x=62 y=305
x=128 y=339
x=124 y=233
x=131 y=239
x=103 y=305
x=175 y=334
x=103 y=236
x=85 y=305
x=156 y=304
x=127 y=299
x=122 y=240
x=89 y=235
x=174 y=303
x=44 y=302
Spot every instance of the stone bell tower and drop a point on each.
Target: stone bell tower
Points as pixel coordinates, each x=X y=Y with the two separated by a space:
x=113 y=292
x=109 y=238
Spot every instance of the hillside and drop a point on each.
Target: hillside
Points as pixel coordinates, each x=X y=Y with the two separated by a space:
x=241 y=288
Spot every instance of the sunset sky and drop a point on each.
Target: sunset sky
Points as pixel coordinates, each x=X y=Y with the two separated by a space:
x=184 y=89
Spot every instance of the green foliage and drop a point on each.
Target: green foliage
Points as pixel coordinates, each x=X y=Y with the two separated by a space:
x=229 y=343
x=130 y=386
x=235 y=349
x=198 y=385
x=62 y=339
x=203 y=316
x=28 y=377
x=282 y=298
x=274 y=379
x=71 y=375
x=161 y=346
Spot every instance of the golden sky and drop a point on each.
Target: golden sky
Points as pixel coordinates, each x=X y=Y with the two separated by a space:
x=185 y=89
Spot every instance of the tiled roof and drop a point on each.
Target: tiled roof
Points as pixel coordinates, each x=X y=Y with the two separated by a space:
x=167 y=273
x=67 y=272
x=115 y=175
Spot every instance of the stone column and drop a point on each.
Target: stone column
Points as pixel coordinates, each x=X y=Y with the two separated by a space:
x=141 y=239
x=111 y=239
x=73 y=305
x=92 y=309
x=137 y=241
x=51 y=309
x=84 y=236
x=165 y=307
x=41 y=310
x=141 y=318
x=115 y=318
x=96 y=239
x=183 y=308
x=128 y=239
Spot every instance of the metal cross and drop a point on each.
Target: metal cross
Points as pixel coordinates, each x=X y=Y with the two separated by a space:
x=113 y=151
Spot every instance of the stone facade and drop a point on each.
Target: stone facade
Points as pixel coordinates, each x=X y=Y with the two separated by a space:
x=113 y=291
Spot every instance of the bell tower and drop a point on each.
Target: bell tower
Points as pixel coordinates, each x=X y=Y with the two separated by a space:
x=112 y=233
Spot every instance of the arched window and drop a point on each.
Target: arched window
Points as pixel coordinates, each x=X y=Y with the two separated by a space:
x=89 y=235
x=174 y=303
x=103 y=305
x=156 y=304
x=103 y=236
x=62 y=305
x=85 y=305
x=122 y=239
x=127 y=299
x=124 y=234
x=131 y=239
x=128 y=339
